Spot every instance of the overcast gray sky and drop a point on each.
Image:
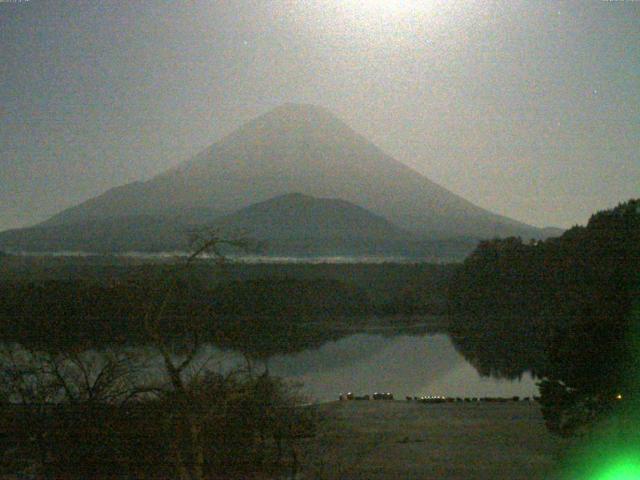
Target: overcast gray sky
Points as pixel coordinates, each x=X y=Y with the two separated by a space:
x=531 y=110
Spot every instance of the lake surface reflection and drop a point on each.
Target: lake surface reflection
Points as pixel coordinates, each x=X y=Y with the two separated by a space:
x=402 y=364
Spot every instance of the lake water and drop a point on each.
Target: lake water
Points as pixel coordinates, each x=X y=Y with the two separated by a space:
x=405 y=364
x=402 y=364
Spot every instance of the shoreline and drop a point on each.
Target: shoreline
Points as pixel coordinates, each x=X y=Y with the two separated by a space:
x=424 y=323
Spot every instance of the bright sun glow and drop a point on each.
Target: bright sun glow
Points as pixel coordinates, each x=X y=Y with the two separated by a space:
x=383 y=6
x=382 y=19
x=386 y=9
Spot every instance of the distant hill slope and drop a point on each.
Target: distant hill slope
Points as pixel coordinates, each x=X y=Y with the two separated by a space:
x=289 y=225
x=299 y=148
x=280 y=221
x=298 y=216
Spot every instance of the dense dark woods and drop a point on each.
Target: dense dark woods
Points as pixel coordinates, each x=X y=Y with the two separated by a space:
x=99 y=305
x=59 y=315
x=561 y=309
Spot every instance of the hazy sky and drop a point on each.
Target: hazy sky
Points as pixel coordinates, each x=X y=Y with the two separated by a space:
x=531 y=110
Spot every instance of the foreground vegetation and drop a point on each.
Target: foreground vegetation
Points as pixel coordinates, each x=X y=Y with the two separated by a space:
x=87 y=415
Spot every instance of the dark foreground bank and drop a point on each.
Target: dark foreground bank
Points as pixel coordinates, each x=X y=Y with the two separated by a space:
x=409 y=440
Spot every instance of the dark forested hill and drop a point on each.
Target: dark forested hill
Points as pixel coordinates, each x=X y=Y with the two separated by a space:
x=298 y=216
x=561 y=308
x=280 y=220
x=292 y=224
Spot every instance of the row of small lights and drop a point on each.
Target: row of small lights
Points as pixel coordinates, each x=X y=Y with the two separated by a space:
x=376 y=393
x=438 y=397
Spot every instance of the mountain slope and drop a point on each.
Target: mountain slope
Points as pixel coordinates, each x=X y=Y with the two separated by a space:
x=300 y=148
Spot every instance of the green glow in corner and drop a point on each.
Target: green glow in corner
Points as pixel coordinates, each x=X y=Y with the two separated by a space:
x=611 y=451
x=622 y=469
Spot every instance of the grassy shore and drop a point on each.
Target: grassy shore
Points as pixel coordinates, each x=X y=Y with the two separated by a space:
x=407 y=440
x=382 y=324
